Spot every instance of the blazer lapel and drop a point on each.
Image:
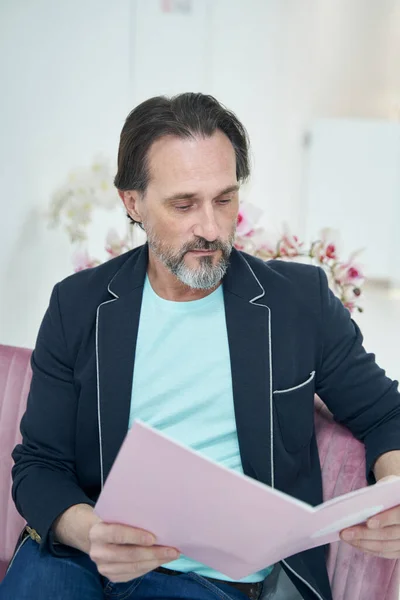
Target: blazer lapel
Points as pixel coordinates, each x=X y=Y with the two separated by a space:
x=116 y=335
x=248 y=325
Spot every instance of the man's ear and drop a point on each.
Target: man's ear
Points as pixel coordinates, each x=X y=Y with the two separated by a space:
x=131 y=202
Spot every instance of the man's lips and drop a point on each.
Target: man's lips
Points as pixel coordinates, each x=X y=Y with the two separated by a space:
x=202 y=252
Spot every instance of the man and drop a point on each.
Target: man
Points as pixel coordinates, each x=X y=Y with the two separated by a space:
x=214 y=347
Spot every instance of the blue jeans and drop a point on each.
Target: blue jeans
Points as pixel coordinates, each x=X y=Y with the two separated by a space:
x=38 y=575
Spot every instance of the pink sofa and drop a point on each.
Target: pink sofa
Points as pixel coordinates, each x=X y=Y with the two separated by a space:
x=15 y=377
x=353 y=574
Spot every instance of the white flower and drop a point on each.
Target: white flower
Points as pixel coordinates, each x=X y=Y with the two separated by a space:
x=85 y=188
x=115 y=244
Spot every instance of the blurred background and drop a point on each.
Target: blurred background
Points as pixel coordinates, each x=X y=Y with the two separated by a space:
x=316 y=83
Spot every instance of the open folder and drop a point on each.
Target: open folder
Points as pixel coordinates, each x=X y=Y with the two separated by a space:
x=223 y=519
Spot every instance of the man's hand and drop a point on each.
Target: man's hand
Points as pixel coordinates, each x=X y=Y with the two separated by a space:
x=122 y=553
x=380 y=536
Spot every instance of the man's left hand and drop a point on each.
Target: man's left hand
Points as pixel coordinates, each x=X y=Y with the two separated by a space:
x=380 y=536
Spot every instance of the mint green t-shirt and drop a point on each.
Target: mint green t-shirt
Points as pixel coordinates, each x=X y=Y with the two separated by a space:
x=182 y=385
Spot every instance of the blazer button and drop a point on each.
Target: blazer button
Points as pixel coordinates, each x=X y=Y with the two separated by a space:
x=33 y=534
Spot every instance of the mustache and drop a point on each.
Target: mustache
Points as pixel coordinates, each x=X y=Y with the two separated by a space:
x=203 y=244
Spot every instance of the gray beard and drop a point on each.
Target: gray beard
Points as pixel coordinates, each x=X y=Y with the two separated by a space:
x=207 y=275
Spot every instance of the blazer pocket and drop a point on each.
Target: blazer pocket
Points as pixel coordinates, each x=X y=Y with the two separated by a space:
x=295 y=411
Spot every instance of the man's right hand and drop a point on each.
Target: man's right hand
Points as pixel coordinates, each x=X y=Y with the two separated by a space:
x=122 y=553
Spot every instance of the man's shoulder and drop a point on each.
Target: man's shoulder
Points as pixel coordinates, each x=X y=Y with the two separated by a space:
x=285 y=271
x=297 y=283
x=80 y=294
x=96 y=278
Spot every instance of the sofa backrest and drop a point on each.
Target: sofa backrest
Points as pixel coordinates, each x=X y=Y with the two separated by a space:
x=15 y=378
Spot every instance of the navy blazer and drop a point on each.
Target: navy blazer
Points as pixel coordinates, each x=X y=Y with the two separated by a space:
x=289 y=338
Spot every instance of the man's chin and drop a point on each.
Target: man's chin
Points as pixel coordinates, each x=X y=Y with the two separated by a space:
x=198 y=276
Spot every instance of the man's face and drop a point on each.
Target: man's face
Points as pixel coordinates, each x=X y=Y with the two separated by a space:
x=190 y=208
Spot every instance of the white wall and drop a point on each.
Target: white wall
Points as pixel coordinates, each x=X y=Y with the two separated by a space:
x=64 y=69
x=291 y=62
x=279 y=64
x=73 y=70
x=353 y=183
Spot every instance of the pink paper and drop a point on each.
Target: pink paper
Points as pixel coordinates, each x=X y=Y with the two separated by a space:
x=216 y=516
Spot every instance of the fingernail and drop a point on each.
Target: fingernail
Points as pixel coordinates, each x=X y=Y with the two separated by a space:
x=374 y=524
x=172 y=554
x=348 y=535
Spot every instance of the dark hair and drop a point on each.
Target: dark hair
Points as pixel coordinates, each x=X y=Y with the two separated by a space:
x=185 y=115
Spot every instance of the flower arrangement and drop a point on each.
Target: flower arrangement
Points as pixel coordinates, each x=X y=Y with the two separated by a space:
x=345 y=277
x=85 y=189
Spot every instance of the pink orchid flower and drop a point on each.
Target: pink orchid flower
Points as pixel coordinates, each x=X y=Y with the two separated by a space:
x=347 y=273
x=290 y=245
x=247 y=219
x=330 y=251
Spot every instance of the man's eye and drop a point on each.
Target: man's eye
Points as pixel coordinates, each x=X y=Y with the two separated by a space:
x=183 y=208
x=225 y=200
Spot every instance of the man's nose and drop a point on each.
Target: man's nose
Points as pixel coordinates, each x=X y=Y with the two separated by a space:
x=207 y=227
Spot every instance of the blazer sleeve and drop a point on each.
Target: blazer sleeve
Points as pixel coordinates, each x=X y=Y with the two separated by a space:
x=355 y=389
x=44 y=478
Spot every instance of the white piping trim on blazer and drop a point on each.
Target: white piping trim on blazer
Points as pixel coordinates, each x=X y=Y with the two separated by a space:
x=271 y=413
x=297 y=387
x=98 y=382
x=303 y=580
